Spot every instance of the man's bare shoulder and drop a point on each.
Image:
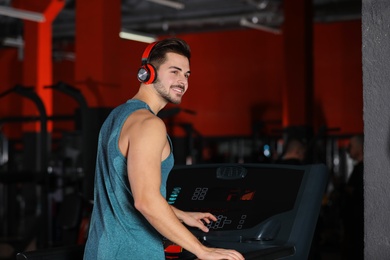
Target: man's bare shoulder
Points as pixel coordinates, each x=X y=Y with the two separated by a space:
x=144 y=121
x=140 y=126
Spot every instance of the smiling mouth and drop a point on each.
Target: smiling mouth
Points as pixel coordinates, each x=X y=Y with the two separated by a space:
x=178 y=89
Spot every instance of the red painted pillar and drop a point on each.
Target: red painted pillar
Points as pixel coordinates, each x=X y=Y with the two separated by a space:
x=37 y=73
x=98 y=23
x=298 y=58
x=37 y=64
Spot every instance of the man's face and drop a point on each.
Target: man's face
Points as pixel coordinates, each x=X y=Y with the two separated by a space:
x=172 y=78
x=354 y=149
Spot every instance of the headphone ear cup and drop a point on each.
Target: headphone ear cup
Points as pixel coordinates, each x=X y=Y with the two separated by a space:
x=143 y=74
x=147 y=74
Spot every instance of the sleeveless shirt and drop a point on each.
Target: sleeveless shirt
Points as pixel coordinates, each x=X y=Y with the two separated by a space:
x=117 y=230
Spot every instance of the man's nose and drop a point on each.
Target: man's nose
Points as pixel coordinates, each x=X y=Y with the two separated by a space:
x=183 y=80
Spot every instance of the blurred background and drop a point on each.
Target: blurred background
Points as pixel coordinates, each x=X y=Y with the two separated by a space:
x=262 y=72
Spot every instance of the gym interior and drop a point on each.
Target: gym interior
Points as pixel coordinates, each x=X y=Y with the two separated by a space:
x=251 y=88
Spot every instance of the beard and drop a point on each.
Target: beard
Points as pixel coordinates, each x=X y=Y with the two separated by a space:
x=165 y=94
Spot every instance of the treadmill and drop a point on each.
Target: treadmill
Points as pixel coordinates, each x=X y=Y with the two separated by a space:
x=264 y=211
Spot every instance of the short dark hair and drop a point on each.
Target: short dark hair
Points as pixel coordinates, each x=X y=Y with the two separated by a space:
x=161 y=48
x=295 y=143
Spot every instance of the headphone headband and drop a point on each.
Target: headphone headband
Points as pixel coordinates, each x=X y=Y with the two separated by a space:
x=145 y=55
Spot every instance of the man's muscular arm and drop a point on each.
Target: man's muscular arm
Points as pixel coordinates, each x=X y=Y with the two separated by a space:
x=147 y=140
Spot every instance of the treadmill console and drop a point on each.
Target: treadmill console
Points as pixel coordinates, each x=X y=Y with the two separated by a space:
x=265 y=211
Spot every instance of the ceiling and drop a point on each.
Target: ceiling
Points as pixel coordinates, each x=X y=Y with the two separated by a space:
x=150 y=17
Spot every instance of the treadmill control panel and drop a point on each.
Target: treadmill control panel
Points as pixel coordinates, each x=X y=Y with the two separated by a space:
x=239 y=197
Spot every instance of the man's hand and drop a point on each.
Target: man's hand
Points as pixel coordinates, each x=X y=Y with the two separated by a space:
x=198 y=219
x=220 y=254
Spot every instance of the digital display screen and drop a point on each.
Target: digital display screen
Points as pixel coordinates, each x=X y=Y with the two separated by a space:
x=222 y=194
x=239 y=197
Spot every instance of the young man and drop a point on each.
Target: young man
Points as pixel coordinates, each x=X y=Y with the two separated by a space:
x=294 y=152
x=134 y=158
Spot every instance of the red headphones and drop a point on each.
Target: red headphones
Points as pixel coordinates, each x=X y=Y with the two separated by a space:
x=147 y=73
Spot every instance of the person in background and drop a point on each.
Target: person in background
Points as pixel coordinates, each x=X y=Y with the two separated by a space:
x=353 y=199
x=130 y=214
x=294 y=152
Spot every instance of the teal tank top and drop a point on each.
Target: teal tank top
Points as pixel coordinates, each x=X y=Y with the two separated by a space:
x=117 y=230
